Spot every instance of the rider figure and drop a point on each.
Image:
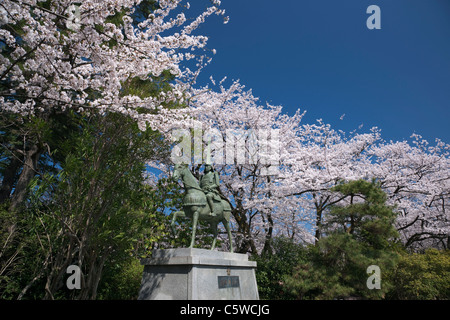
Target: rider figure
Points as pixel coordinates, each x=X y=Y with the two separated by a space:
x=210 y=184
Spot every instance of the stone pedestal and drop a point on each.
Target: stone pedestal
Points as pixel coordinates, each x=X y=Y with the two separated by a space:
x=198 y=274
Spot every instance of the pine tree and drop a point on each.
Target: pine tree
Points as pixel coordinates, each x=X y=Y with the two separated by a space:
x=356 y=235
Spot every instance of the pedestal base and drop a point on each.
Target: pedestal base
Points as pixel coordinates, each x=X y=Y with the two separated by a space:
x=198 y=274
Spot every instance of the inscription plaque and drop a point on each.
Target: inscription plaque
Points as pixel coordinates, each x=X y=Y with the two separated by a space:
x=228 y=281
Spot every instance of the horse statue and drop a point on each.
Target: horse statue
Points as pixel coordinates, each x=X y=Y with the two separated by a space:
x=195 y=206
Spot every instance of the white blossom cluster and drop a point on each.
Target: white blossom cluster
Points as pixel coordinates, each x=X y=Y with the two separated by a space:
x=315 y=157
x=59 y=62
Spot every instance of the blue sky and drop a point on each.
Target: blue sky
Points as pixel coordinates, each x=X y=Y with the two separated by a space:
x=319 y=56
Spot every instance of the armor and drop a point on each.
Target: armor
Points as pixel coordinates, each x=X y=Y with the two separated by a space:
x=210 y=184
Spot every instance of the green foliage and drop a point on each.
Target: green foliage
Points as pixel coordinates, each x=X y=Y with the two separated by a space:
x=101 y=198
x=336 y=269
x=94 y=210
x=22 y=256
x=423 y=276
x=88 y=203
x=313 y=279
x=370 y=221
x=274 y=266
x=10 y=250
x=357 y=235
x=150 y=86
x=121 y=281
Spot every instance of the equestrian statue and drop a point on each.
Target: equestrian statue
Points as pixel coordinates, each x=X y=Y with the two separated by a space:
x=202 y=201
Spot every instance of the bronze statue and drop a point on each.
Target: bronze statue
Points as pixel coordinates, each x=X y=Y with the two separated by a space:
x=209 y=183
x=202 y=201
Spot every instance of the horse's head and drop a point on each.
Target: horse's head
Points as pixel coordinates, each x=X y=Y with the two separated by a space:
x=178 y=171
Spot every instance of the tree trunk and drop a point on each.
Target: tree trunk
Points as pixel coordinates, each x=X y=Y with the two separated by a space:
x=28 y=172
x=89 y=291
x=318 y=224
x=267 y=249
x=247 y=244
x=9 y=178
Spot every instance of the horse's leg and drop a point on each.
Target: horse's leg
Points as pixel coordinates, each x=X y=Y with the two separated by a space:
x=214 y=230
x=194 y=226
x=176 y=214
x=226 y=223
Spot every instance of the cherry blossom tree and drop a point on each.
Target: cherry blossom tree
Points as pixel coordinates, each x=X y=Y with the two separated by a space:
x=279 y=180
x=49 y=60
x=63 y=55
x=250 y=176
x=416 y=176
x=310 y=160
x=413 y=174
